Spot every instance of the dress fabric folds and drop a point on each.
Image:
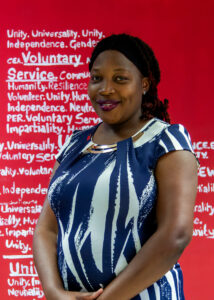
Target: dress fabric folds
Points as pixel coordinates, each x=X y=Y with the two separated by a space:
x=105 y=203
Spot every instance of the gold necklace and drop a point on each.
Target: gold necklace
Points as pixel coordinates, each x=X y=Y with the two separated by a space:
x=96 y=148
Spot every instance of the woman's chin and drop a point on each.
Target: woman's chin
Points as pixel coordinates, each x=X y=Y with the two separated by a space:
x=110 y=122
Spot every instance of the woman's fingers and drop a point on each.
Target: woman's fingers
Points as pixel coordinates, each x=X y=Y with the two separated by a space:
x=88 y=296
x=96 y=294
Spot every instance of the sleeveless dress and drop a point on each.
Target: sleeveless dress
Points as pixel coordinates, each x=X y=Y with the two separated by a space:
x=104 y=202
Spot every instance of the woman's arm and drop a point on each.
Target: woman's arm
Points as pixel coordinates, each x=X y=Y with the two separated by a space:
x=176 y=175
x=45 y=257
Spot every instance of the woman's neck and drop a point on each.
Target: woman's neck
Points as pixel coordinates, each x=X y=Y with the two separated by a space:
x=110 y=134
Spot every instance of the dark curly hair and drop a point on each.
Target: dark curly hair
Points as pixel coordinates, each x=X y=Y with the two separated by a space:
x=143 y=57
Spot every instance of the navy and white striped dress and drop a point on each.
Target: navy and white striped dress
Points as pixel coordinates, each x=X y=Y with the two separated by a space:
x=105 y=207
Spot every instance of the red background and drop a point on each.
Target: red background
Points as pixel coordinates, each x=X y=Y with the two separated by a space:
x=180 y=33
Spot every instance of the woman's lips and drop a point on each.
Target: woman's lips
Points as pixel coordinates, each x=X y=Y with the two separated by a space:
x=107 y=105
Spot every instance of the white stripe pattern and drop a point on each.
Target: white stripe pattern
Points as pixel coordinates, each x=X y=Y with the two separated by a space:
x=115 y=218
x=149 y=134
x=174 y=141
x=171 y=282
x=144 y=295
x=133 y=211
x=164 y=146
x=64 y=146
x=122 y=262
x=65 y=242
x=181 y=128
x=177 y=278
x=99 y=208
x=157 y=291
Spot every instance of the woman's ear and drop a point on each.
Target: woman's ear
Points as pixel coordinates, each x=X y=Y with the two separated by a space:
x=145 y=85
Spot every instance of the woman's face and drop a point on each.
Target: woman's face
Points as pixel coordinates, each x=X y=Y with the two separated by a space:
x=115 y=88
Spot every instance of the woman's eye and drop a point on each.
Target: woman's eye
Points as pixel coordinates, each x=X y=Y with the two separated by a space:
x=121 y=78
x=95 y=78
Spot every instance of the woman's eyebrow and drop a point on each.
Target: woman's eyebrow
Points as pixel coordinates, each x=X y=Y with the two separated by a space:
x=116 y=69
x=121 y=69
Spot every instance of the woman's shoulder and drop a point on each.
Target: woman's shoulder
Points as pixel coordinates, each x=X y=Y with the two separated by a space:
x=157 y=129
x=151 y=131
x=160 y=137
x=176 y=134
x=171 y=137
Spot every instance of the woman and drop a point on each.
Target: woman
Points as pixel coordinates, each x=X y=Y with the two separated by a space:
x=119 y=211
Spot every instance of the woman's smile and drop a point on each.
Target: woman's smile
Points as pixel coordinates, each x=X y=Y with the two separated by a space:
x=107 y=104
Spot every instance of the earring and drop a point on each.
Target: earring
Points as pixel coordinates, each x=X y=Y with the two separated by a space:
x=144 y=92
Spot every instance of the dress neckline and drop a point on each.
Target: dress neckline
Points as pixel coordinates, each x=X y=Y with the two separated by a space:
x=132 y=136
x=104 y=148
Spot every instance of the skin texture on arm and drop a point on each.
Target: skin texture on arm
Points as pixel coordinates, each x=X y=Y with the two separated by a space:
x=176 y=175
x=45 y=257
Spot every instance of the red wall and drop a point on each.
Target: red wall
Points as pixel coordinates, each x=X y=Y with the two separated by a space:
x=179 y=32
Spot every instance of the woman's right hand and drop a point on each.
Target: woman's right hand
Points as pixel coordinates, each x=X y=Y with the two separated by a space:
x=87 y=296
x=67 y=295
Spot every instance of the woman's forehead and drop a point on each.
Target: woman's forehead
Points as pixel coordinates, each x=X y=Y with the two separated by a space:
x=113 y=58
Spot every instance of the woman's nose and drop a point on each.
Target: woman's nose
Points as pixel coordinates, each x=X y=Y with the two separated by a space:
x=106 y=88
